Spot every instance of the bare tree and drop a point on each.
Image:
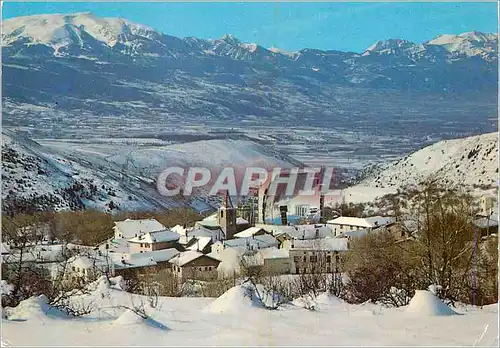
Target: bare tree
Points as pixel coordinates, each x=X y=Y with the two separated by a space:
x=270 y=289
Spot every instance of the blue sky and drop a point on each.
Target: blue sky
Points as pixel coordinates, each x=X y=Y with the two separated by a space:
x=290 y=26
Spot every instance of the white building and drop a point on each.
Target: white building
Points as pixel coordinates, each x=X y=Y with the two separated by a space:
x=488 y=205
x=132 y=228
x=88 y=267
x=146 y=259
x=152 y=241
x=345 y=223
x=273 y=260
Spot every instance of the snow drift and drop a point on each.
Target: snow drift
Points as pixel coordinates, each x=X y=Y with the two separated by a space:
x=242 y=297
x=235 y=299
x=131 y=318
x=426 y=303
x=36 y=308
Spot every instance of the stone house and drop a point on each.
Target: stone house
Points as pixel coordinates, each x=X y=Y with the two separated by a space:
x=316 y=255
x=194 y=265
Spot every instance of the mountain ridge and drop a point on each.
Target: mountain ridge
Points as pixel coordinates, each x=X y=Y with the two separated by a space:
x=109 y=26
x=464 y=162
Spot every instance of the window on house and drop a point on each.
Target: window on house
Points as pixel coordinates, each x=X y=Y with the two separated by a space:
x=328 y=259
x=201 y=269
x=141 y=245
x=328 y=268
x=304 y=259
x=297 y=270
x=351 y=228
x=73 y=268
x=222 y=213
x=313 y=258
x=296 y=259
x=337 y=258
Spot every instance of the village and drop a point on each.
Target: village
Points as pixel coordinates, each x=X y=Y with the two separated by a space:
x=216 y=246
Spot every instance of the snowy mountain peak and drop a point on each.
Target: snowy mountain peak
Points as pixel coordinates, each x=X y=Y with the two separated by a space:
x=389 y=46
x=472 y=43
x=478 y=36
x=468 y=44
x=60 y=30
x=230 y=39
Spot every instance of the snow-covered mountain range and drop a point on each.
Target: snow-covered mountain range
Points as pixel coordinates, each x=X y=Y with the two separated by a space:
x=84 y=61
x=68 y=34
x=470 y=162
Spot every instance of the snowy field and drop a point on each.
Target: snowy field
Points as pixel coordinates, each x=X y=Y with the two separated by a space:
x=233 y=319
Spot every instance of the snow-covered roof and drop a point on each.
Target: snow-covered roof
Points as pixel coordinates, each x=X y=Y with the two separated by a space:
x=249 y=232
x=276 y=229
x=156 y=237
x=370 y=222
x=157 y=255
x=119 y=245
x=211 y=217
x=201 y=231
x=274 y=253
x=327 y=244
x=259 y=257
x=131 y=228
x=254 y=242
x=200 y=244
x=186 y=257
x=485 y=222
x=215 y=256
x=311 y=231
x=211 y=221
x=89 y=261
x=241 y=221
